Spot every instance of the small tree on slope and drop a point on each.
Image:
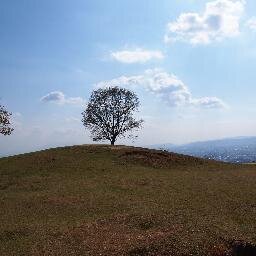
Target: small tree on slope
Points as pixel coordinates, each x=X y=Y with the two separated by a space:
x=109 y=114
x=5 y=127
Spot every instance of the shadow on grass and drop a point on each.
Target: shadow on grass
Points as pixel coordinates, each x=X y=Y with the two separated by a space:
x=243 y=249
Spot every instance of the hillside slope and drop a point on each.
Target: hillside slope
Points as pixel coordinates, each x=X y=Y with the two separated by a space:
x=101 y=200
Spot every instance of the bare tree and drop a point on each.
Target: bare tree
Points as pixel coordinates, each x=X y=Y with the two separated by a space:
x=109 y=114
x=5 y=127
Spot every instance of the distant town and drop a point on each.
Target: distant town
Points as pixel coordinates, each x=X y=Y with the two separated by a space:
x=233 y=150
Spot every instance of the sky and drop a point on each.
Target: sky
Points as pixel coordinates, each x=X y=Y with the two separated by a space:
x=191 y=62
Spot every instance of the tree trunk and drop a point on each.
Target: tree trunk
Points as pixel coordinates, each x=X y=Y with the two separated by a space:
x=112 y=142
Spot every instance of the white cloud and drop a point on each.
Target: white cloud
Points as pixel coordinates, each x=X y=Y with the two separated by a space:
x=220 y=19
x=60 y=98
x=166 y=86
x=209 y=102
x=251 y=23
x=136 y=56
x=56 y=96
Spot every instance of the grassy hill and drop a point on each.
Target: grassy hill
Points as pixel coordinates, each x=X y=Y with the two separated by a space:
x=101 y=200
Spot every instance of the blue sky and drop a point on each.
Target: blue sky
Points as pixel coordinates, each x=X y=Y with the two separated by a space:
x=192 y=63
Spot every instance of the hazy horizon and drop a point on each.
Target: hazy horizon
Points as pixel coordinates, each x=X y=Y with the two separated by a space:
x=23 y=150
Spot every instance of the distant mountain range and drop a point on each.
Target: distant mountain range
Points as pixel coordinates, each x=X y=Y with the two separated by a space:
x=234 y=150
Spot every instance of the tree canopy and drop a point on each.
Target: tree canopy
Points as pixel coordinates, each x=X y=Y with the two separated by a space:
x=5 y=126
x=110 y=114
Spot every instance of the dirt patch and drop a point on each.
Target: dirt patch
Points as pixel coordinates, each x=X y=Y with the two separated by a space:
x=130 y=235
x=159 y=159
x=122 y=235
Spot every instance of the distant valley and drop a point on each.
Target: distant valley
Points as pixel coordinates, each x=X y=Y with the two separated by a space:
x=233 y=150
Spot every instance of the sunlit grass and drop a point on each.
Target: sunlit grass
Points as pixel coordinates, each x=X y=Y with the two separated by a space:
x=92 y=200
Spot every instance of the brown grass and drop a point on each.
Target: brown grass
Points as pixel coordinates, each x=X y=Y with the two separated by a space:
x=101 y=200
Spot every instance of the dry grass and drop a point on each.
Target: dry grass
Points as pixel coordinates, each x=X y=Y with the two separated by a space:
x=101 y=200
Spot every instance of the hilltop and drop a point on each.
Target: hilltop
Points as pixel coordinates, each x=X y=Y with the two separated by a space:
x=102 y=200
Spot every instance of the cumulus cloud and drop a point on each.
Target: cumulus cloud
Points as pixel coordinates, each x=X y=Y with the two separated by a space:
x=209 y=102
x=57 y=97
x=220 y=20
x=166 y=86
x=61 y=99
x=136 y=56
x=251 y=23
